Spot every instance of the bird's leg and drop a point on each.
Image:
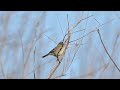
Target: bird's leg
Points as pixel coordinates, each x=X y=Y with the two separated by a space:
x=58 y=60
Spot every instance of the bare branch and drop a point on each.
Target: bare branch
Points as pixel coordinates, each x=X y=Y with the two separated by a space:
x=60 y=25
x=67 y=28
x=91 y=73
x=107 y=51
x=58 y=62
x=31 y=48
x=2 y=70
x=36 y=68
x=34 y=64
x=22 y=52
x=93 y=30
x=83 y=36
x=106 y=22
x=59 y=76
x=79 y=22
x=51 y=39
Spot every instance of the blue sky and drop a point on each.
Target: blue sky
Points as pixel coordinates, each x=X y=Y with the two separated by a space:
x=90 y=56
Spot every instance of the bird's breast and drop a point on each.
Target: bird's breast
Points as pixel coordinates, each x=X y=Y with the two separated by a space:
x=61 y=51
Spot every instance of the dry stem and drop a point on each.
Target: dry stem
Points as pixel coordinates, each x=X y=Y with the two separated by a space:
x=107 y=51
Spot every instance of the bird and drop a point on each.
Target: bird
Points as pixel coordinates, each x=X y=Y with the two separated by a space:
x=57 y=51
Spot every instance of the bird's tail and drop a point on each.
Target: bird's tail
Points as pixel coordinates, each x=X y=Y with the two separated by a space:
x=45 y=55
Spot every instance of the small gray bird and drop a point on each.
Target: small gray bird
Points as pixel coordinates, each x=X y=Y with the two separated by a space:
x=57 y=51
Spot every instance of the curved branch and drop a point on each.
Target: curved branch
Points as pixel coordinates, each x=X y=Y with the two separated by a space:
x=107 y=51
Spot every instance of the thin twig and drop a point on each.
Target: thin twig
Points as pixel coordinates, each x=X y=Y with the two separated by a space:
x=22 y=52
x=83 y=36
x=59 y=76
x=68 y=21
x=2 y=70
x=107 y=51
x=97 y=21
x=34 y=64
x=60 y=25
x=36 y=68
x=74 y=32
x=106 y=22
x=113 y=50
x=97 y=29
x=93 y=30
x=31 y=48
x=79 y=22
x=38 y=22
x=78 y=31
x=51 y=39
x=22 y=46
x=91 y=72
x=77 y=49
x=67 y=28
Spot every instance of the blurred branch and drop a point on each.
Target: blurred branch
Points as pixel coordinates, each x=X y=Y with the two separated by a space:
x=83 y=36
x=107 y=64
x=67 y=28
x=34 y=64
x=73 y=33
x=21 y=45
x=75 y=24
x=2 y=70
x=31 y=48
x=114 y=48
x=60 y=25
x=59 y=76
x=76 y=50
x=51 y=39
x=35 y=68
x=79 y=22
x=38 y=25
x=91 y=73
x=101 y=39
x=107 y=51
x=22 y=51
x=93 y=30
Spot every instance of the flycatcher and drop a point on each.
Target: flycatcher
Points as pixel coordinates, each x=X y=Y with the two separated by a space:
x=57 y=51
